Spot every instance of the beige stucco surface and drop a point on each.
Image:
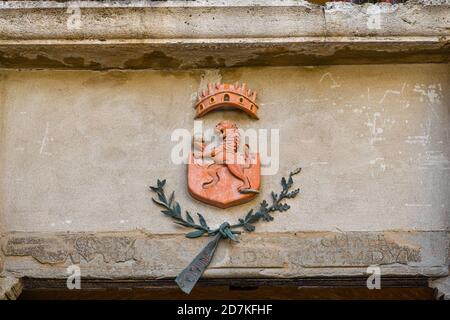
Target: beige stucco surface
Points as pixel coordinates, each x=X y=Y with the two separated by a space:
x=80 y=148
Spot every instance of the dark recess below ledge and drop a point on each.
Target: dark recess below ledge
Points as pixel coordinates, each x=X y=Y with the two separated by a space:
x=305 y=288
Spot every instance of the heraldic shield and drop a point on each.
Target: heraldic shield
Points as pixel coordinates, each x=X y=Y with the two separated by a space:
x=228 y=173
x=222 y=177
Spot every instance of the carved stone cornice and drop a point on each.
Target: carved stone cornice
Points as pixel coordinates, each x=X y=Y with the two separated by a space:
x=205 y=34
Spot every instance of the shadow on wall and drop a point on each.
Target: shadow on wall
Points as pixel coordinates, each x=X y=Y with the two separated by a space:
x=224 y=292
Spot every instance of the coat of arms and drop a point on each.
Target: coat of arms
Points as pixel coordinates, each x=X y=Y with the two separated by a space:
x=222 y=174
x=225 y=174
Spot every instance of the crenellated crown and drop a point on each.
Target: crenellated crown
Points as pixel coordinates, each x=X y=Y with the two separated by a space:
x=224 y=96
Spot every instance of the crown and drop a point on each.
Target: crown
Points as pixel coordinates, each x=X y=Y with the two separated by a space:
x=226 y=96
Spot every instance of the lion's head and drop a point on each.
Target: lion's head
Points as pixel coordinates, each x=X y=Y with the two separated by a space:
x=225 y=125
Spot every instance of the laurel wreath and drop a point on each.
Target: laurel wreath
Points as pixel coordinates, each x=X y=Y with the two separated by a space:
x=172 y=209
x=188 y=278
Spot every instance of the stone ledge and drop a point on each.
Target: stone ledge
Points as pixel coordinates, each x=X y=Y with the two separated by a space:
x=102 y=20
x=309 y=254
x=204 y=34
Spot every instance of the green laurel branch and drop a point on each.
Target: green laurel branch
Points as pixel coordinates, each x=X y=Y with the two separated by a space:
x=173 y=210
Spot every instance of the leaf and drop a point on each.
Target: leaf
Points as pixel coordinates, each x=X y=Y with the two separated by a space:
x=290 y=181
x=296 y=171
x=167 y=212
x=267 y=217
x=249 y=215
x=154 y=189
x=162 y=197
x=171 y=198
x=202 y=221
x=254 y=218
x=159 y=202
x=195 y=234
x=292 y=194
x=161 y=183
x=283 y=183
x=274 y=196
x=258 y=214
x=264 y=206
x=177 y=210
x=189 y=217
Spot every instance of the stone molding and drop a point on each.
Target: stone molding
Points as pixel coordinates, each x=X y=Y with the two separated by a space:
x=137 y=255
x=204 y=34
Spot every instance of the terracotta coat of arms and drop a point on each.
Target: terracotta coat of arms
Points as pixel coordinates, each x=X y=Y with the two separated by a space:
x=228 y=173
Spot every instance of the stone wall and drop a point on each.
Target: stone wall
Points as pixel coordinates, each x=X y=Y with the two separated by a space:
x=80 y=149
x=87 y=116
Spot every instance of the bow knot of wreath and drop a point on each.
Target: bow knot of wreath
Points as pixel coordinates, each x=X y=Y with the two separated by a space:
x=192 y=273
x=226 y=231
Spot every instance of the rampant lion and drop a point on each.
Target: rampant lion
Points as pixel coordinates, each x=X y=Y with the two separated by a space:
x=226 y=154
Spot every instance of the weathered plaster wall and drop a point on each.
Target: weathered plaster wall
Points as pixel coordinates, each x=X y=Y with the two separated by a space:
x=81 y=147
